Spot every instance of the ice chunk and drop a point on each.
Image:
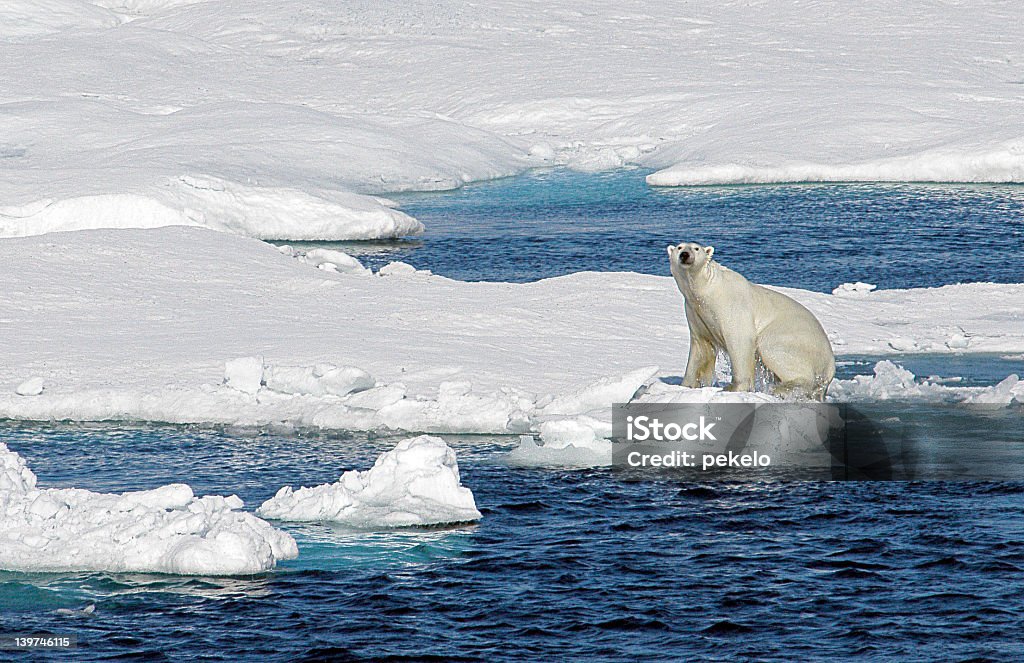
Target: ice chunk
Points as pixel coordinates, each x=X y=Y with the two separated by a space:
x=416 y=483
x=531 y=454
x=542 y=151
x=958 y=341
x=377 y=397
x=15 y=476
x=318 y=380
x=165 y=530
x=327 y=259
x=30 y=387
x=244 y=374
x=858 y=289
x=1001 y=394
x=342 y=262
x=903 y=344
x=581 y=432
x=399 y=268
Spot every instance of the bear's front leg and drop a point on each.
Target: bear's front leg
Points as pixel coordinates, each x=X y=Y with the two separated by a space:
x=700 y=365
x=742 y=356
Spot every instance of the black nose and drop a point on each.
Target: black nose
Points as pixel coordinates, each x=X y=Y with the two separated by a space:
x=684 y=256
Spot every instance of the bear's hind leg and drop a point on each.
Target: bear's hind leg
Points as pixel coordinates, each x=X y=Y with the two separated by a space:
x=794 y=380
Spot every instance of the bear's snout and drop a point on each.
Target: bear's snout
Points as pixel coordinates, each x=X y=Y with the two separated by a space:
x=686 y=257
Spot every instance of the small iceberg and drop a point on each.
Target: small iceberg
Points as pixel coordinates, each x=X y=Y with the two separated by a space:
x=416 y=483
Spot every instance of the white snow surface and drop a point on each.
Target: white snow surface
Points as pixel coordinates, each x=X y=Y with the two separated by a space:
x=285 y=119
x=183 y=324
x=416 y=483
x=164 y=530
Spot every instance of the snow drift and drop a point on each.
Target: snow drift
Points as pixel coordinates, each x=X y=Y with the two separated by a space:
x=261 y=212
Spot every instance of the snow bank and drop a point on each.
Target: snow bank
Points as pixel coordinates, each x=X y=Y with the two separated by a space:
x=261 y=212
x=1002 y=163
x=416 y=483
x=165 y=530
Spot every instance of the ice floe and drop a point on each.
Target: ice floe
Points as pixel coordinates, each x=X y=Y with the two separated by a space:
x=217 y=328
x=416 y=483
x=284 y=120
x=164 y=530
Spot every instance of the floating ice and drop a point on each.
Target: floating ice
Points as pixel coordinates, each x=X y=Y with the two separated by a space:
x=1000 y=395
x=416 y=483
x=165 y=530
x=531 y=454
x=582 y=432
x=503 y=358
x=894 y=382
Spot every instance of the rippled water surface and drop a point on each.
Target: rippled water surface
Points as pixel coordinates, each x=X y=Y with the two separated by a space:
x=566 y=564
x=812 y=236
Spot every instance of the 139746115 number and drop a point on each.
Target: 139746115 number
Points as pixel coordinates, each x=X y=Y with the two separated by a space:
x=37 y=641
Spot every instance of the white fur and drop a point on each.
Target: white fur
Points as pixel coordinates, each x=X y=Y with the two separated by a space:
x=750 y=322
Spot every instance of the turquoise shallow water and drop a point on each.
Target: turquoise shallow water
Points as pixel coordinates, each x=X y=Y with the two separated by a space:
x=812 y=236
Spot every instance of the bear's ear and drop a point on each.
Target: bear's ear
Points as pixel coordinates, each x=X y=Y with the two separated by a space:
x=710 y=250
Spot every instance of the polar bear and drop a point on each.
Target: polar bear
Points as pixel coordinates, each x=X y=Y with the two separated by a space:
x=750 y=322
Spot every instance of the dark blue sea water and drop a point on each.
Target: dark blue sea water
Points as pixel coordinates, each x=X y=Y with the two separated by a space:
x=565 y=564
x=812 y=236
x=579 y=564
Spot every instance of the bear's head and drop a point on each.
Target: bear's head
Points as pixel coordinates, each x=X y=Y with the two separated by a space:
x=689 y=256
